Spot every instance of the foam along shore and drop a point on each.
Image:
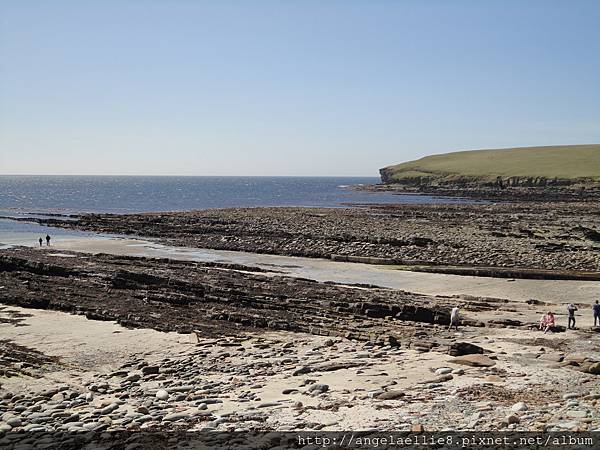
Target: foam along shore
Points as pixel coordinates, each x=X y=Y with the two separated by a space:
x=551 y=291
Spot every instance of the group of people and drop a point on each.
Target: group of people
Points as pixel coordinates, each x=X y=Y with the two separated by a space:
x=40 y=240
x=548 y=321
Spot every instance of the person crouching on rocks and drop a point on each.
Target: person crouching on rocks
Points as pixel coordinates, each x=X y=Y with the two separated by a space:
x=547 y=322
x=454 y=318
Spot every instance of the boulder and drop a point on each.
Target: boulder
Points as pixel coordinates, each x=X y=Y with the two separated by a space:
x=391 y=395
x=464 y=348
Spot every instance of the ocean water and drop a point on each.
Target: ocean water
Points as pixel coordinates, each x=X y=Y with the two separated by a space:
x=75 y=194
x=35 y=196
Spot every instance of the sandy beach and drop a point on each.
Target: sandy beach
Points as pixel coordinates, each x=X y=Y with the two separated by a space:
x=109 y=377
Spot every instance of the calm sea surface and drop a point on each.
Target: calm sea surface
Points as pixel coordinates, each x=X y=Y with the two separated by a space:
x=27 y=196
x=74 y=194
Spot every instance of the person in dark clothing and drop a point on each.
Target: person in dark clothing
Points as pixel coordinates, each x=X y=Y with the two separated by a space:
x=40 y=240
x=596 y=310
x=571 y=310
x=48 y=239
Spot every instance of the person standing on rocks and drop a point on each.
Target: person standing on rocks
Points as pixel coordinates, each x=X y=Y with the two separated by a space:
x=40 y=241
x=596 y=310
x=571 y=310
x=48 y=240
x=454 y=318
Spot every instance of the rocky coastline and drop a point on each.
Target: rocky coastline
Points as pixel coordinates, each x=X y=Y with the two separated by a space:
x=554 y=240
x=259 y=351
x=508 y=190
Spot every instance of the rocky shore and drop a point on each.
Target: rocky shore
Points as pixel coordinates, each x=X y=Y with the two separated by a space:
x=507 y=190
x=259 y=351
x=211 y=298
x=493 y=239
x=94 y=345
x=501 y=380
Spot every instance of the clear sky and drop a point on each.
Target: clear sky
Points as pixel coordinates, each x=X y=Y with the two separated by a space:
x=288 y=87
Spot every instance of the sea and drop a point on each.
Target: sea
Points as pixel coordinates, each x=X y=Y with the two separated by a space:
x=31 y=196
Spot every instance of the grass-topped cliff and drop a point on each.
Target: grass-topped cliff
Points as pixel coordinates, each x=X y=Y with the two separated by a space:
x=525 y=166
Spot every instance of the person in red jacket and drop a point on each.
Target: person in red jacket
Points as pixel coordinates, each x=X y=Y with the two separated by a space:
x=547 y=322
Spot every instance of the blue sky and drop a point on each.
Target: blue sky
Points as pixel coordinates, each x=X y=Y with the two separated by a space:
x=289 y=87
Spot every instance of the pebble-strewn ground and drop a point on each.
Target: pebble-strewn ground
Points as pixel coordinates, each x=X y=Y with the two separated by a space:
x=554 y=236
x=290 y=381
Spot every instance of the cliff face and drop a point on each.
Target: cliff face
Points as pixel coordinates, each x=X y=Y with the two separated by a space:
x=463 y=181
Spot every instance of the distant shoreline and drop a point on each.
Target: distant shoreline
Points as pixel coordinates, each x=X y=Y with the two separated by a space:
x=482 y=193
x=543 y=240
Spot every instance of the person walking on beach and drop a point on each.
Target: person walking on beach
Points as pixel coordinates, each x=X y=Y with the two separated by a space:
x=47 y=240
x=454 y=318
x=596 y=310
x=40 y=241
x=571 y=310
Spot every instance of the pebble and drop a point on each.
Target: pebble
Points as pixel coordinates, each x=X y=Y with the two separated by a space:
x=133 y=377
x=570 y=396
x=58 y=397
x=161 y=394
x=318 y=388
x=176 y=416
x=150 y=370
x=72 y=418
x=14 y=422
x=269 y=405
x=443 y=371
x=520 y=406
x=513 y=418
x=577 y=414
x=108 y=409
x=391 y=395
